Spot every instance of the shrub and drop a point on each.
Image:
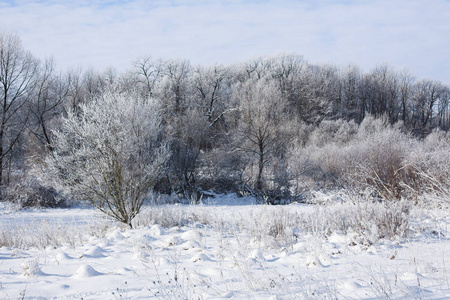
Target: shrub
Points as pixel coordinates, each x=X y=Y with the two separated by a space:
x=31 y=193
x=110 y=153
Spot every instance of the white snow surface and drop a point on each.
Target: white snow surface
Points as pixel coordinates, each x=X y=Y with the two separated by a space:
x=218 y=254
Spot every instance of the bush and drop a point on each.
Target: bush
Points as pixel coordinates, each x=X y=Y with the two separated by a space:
x=374 y=156
x=31 y=193
x=429 y=166
x=333 y=131
x=110 y=153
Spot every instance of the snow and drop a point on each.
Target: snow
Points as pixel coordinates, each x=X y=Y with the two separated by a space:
x=222 y=251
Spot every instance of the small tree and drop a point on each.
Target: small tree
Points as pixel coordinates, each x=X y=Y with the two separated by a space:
x=110 y=153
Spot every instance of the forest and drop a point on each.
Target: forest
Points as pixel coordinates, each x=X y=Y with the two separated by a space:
x=278 y=128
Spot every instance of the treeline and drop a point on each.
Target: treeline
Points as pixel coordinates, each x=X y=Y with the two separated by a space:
x=275 y=127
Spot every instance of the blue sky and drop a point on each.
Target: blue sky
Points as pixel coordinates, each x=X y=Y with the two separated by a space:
x=100 y=33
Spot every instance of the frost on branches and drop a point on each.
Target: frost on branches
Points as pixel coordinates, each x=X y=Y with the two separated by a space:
x=110 y=153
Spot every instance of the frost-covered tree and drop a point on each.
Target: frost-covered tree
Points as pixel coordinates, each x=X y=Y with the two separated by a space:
x=110 y=153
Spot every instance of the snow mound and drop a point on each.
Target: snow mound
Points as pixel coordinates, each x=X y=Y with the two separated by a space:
x=191 y=235
x=104 y=243
x=324 y=261
x=95 y=252
x=147 y=238
x=256 y=254
x=62 y=256
x=321 y=260
x=409 y=276
x=191 y=245
x=156 y=230
x=311 y=261
x=140 y=254
x=349 y=287
x=162 y=261
x=200 y=257
x=86 y=271
x=227 y=295
x=166 y=241
x=115 y=235
x=122 y=271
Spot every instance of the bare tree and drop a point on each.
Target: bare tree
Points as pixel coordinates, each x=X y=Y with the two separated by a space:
x=381 y=90
x=212 y=86
x=18 y=69
x=350 y=105
x=149 y=73
x=263 y=116
x=427 y=97
x=406 y=91
x=174 y=86
x=443 y=109
x=110 y=153
x=189 y=134
x=50 y=93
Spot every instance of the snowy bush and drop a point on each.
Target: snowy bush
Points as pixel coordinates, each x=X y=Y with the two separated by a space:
x=379 y=156
x=429 y=166
x=337 y=132
x=109 y=153
x=32 y=193
x=376 y=158
x=31 y=268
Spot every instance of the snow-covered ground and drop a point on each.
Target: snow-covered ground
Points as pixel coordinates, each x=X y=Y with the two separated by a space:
x=227 y=248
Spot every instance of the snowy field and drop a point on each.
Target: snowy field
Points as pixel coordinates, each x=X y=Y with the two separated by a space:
x=228 y=248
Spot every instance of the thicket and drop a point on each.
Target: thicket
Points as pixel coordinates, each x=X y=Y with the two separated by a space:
x=276 y=127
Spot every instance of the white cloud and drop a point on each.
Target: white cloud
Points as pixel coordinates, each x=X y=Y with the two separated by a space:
x=405 y=34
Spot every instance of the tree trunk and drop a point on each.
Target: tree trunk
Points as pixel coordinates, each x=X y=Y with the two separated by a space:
x=1 y=162
x=259 y=180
